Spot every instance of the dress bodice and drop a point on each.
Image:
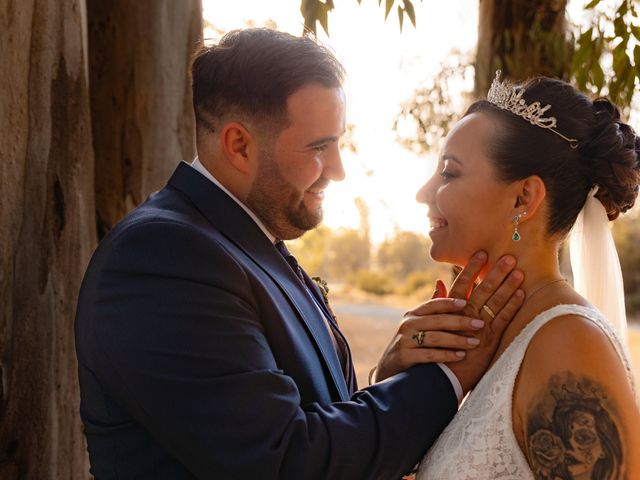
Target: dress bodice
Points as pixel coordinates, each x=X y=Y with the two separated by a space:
x=479 y=443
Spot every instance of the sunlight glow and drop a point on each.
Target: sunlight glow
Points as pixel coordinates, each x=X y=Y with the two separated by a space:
x=384 y=67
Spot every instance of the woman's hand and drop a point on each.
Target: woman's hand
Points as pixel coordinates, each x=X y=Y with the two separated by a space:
x=446 y=330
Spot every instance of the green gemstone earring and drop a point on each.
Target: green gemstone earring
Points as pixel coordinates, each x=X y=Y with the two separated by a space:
x=516 y=220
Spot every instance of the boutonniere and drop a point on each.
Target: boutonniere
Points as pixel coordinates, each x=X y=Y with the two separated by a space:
x=324 y=289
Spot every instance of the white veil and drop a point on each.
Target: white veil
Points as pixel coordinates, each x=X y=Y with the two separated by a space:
x=596 y=268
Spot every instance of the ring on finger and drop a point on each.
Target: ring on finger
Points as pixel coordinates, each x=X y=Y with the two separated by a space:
x=419 y=337
x=486 y=308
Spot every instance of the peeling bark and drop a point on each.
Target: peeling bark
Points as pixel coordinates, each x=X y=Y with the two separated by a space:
x=142 y=126
x=48 y=233
x=140 y=97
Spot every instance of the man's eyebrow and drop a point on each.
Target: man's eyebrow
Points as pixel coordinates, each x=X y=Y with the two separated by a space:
x=322 y=141
x=448 y=156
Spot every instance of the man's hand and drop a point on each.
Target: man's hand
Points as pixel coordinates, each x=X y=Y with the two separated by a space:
x=453 y=327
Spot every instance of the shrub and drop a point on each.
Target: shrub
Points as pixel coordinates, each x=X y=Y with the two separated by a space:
x=373 y=282
x=417 y=281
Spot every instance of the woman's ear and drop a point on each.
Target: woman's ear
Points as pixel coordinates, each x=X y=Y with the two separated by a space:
x=531 y=193
x=236 y=143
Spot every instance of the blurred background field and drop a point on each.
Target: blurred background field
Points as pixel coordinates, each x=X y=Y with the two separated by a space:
x=369 y=322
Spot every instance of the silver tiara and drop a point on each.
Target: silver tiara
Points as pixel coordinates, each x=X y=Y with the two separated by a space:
x=509 y=97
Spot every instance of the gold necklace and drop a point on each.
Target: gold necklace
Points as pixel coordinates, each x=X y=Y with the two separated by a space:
x=540 y=288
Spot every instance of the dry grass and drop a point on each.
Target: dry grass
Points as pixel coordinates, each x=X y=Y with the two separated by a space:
x=368 y=337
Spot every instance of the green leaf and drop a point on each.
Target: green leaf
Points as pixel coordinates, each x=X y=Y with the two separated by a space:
x=581 y=78
x=620 y=60
x=585 y=37
x=591 y=4
x=387 y=8
x=629 y=86
x=616 y=87
x=598 y=47
x=623 y=8
x=308 y=11
x=635 y=29
x=584 y=52
x=620 y=28
x=636 y=59
x=408 y=7
x=323 y=17
x=400 y=16
x=597 y=76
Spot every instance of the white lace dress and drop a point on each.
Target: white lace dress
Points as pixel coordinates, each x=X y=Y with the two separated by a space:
x=479 y=443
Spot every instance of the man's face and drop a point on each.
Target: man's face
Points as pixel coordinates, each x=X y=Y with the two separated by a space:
x=294 y=170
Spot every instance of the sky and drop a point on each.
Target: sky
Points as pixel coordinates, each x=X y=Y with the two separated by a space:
x=384 y=67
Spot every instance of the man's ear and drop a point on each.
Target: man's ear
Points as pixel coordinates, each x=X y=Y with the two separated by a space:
x=530 y=195
x=236 y=144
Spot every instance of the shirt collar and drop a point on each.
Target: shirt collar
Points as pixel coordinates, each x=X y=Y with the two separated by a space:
x=199 y=167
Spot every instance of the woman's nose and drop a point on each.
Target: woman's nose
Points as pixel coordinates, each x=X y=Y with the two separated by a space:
x=426 y=193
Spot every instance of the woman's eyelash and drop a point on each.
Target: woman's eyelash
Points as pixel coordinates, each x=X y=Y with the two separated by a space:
x=446 y=175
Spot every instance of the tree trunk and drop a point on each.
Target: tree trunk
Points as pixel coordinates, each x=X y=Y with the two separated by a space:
x=523 y=39
x=140 y=97
x=47 y=234
x=142 y=126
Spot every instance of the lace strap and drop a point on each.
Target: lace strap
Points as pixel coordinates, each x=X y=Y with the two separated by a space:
x=590 y=314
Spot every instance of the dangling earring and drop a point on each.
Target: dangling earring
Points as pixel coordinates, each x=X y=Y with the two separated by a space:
x=516 y=220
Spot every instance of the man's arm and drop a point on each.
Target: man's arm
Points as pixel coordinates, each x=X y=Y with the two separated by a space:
x=182 y=348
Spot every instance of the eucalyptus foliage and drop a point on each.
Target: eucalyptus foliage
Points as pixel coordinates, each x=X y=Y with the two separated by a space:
x=612 y=40
x=316 y=11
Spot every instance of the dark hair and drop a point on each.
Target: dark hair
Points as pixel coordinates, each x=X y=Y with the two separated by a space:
x=251 y=73
x=607 y=155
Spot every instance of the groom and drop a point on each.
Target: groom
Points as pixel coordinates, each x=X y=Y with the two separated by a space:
x=204 y=350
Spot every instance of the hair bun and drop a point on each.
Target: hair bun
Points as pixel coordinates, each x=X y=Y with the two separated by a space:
x=614 y=153
x=604 y=106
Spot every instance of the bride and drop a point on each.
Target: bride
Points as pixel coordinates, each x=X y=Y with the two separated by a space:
x=514 y=175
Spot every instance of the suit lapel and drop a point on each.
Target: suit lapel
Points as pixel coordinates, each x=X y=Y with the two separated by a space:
x=233 y=222
x=348 y=369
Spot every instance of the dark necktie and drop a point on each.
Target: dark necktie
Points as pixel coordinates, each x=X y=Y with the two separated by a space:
x=291 y=260
x=295 y=266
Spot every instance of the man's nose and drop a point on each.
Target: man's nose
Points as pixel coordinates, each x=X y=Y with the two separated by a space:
x=333 y=167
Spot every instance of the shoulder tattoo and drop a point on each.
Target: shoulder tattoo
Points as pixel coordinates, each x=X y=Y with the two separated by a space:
x=572 y=432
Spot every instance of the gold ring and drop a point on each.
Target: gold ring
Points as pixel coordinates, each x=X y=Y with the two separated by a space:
x=489 y=311
x=419 y=337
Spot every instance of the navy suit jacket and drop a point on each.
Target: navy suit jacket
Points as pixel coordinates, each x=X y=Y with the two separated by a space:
x=202 y=355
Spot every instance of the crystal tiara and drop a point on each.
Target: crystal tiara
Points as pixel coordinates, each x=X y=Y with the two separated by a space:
x=509 y=97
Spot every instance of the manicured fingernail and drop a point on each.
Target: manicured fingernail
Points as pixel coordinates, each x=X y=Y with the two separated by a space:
x=519 y=293
x=477 y=323
x=473 y=341
x=481 y=256
x=517 y=275
x=459 y=302
x=509 y=261
x=461 y=354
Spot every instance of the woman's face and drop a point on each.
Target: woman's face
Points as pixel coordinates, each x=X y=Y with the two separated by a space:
x=470 y=209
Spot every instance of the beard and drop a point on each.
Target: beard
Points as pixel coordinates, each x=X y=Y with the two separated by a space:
x=279 y=204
